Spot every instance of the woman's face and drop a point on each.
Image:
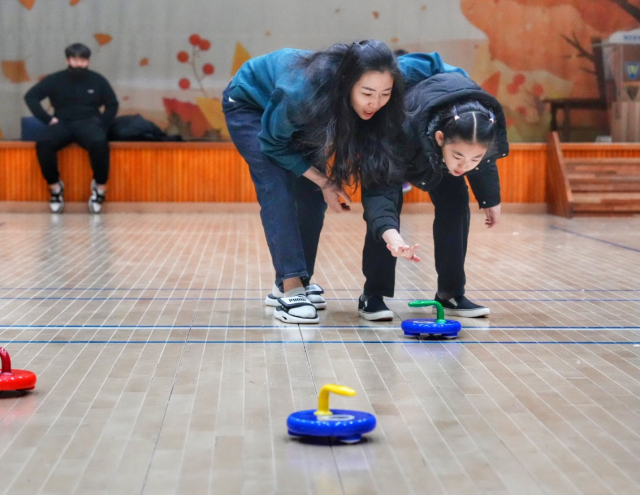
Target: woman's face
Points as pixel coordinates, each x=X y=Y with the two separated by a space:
x=371 y=93
x=460 y=156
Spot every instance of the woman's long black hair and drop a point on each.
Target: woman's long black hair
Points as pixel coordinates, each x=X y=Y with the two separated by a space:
x=363 y=151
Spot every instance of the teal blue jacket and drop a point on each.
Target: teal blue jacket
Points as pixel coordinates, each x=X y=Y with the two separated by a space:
x=274 y=85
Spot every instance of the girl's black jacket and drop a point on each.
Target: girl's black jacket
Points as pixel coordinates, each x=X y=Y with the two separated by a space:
x=422 y=101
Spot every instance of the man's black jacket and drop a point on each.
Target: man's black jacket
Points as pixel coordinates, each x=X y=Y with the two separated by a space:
x=74 y=97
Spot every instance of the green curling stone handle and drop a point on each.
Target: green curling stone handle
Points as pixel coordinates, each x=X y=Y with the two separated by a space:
x=439 y=309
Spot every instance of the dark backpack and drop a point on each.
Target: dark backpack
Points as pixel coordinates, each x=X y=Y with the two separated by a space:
x=137 y=128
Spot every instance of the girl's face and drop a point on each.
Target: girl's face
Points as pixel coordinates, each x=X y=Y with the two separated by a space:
x=460 y=156
x=371 y=93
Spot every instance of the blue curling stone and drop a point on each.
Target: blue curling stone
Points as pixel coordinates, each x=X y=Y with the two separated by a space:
x=347 y=426
x=447 y=328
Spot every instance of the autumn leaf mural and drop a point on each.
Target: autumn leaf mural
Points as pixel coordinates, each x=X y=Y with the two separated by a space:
x=211 y=108
x=492 y=84
x=28 y=4
x=198 y=46
x=103 y=38
x=187 y=119
x=519 y=44
x=15 y=71
x=541 y=49
x=240 y=56
x=205 y=119
x=521 y=51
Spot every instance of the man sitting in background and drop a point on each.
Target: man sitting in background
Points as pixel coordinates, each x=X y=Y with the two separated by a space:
x=77 y=95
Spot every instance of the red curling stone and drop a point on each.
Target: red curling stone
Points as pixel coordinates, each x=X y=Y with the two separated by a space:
x=12 y=380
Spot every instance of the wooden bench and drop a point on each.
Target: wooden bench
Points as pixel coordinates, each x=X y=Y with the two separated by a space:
x=204 y=172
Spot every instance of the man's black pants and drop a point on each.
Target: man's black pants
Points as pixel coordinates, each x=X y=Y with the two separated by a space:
x=88 y=133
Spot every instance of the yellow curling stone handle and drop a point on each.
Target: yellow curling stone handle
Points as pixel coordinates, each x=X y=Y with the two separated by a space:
x=323 y=397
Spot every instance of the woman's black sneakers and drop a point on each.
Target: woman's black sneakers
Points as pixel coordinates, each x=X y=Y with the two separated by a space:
x=461 y=306
x=373 y=308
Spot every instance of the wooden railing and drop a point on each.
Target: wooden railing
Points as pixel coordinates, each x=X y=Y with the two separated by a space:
x=559 y=196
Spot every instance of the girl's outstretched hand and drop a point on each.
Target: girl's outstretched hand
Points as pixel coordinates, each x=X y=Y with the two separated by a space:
x=398 y=247
x=404 y=251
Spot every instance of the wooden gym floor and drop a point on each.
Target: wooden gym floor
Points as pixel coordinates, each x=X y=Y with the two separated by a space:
x=160 y=370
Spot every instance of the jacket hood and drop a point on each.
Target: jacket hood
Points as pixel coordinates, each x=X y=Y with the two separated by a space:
x=424 y=99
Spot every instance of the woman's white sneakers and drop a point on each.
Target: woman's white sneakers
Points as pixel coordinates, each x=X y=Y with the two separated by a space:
x=296 y=309
x=299 y=305
x=313 y=292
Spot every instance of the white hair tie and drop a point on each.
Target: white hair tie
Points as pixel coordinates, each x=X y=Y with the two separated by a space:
x=456 y=117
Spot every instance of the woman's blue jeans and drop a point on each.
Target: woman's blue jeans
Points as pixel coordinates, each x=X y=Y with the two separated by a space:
x=292 y=208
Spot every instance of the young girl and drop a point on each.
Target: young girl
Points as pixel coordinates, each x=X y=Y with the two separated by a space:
x=291 y=112
x=453 y=130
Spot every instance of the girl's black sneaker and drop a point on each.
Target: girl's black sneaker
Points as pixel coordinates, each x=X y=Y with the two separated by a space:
x=461 y=306
x=373 y=308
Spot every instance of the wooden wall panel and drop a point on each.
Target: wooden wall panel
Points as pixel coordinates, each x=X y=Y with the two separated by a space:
x=20 y=173
x=206 y=172
x=197 y=175
x=522 y=174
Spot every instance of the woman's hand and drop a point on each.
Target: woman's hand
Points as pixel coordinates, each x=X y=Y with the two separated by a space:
x=335 y=197
x=397 y=246
x=492 y=216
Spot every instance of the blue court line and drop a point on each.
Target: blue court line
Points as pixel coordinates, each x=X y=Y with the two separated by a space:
x=130 y=289
x=261 y=298
x=425 y=341
x=293 y=327
x=595 y=239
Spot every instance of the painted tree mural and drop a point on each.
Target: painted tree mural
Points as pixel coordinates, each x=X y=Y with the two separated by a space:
x=542 y=48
